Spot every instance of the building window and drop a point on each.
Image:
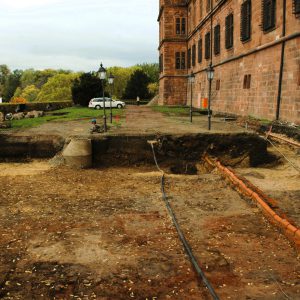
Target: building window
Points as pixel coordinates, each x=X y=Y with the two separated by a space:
x=183 y=60
x=218 y=84
x=161 y=63
x=268 y=14
x=246 y=21
x=180 y=60
x=183 y=26
x=180 y=26
x=177 y=60
x=194 y=55
x=296 y=7
x=200 y=51
x=208 y=5
x=207 y=45
x=229 y=31
x=217 y=39
x=189 y=59
x=247 y=81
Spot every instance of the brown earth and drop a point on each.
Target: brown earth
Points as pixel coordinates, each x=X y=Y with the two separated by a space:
x=105 y=234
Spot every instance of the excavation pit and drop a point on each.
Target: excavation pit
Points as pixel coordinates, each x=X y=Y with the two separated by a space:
x=104 y=232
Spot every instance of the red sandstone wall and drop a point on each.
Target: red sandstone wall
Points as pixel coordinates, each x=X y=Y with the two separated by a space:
x=261 y=99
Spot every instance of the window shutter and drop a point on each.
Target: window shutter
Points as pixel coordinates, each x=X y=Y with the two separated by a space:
x=229 y=31
x=207 y=45
x=296 y=6
x=189 y=58
x=183 y=26
x=177 y=25
x=246 y=20
x=183 y=60
x=177 y=60
x=200 y=51
x=194 y=55
x=217 y=39
x=268 y=14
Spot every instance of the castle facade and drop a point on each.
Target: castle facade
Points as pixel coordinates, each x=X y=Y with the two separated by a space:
x=252 y=45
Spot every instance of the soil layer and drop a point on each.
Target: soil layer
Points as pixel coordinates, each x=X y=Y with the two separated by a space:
x=105 y=234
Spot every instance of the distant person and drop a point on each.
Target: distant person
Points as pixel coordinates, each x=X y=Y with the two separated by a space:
x=95 y=127
x=138 y=101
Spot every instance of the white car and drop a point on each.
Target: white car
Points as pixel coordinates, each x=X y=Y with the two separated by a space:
x=98 y=103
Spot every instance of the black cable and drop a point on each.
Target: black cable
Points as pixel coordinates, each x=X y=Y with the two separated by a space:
x=182 y=238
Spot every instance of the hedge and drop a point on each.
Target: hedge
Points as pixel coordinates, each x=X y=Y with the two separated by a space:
x=44 y=106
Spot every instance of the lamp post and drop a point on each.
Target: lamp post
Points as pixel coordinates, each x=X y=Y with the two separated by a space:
x=210 y=76
x=191 y=79
x=111 y=79
x=102 y=76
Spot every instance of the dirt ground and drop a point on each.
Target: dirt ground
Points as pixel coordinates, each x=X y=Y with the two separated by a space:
x=136 y=120
x=280 y=182
x=105 y=234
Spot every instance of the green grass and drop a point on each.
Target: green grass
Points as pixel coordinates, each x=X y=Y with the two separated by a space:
x=172 y=110
x=70 y=114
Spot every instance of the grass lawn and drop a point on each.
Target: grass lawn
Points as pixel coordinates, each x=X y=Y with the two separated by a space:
x=63 y=115
x=177 y=110
x=172 y=110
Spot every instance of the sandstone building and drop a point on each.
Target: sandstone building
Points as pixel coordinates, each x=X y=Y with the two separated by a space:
x=253 y=46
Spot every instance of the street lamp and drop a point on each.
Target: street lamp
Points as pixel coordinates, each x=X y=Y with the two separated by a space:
x=111 y=79
x=102 y=76
x=210 y=76
x=191 y=79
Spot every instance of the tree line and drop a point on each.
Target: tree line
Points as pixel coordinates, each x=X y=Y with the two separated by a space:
x=57 y=85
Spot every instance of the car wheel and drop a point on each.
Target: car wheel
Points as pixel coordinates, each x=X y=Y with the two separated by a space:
x=119 y=106
x=98 y=107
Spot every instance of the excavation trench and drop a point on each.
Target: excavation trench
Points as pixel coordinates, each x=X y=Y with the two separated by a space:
x=180 y=153
x=105 y=233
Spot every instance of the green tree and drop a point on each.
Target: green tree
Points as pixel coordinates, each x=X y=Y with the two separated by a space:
x=151 y=69
x=57 y=88
x=122 y=76
x=37 y=77
x=30 y=93
x=86 y=87
x=153 y=89
x=137 y=86
x=4 y=73
x=12 y=82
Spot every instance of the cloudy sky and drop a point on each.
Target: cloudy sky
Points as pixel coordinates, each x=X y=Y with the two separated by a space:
x=77 y=34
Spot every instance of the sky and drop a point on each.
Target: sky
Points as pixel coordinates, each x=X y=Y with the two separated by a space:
x=77 y=34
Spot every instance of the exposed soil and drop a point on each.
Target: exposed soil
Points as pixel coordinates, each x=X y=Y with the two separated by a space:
x=105 y=234
x=280 y=182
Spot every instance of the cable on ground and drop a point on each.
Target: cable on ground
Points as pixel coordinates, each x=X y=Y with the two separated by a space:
x=182 y=238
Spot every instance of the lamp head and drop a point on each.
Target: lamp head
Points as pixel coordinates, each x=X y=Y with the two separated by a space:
x=102 y=72
x=210 y=73
x=111 y=78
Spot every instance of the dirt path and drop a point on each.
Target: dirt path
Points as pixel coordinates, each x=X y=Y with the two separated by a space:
x=66 y=235
x=135 y=120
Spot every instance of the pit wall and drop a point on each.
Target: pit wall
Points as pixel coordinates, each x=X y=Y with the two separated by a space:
x=41 y=106
x=231 y=149
x=15 y=147
x=235 y=149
